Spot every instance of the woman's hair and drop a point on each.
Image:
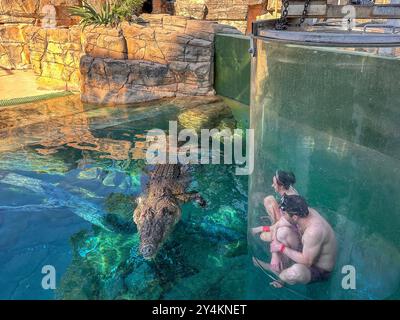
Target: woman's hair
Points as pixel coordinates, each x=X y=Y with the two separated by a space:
x=294 y=205
x=286 y=179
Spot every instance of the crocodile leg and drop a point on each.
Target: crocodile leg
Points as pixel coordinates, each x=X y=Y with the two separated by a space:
x=192 y=196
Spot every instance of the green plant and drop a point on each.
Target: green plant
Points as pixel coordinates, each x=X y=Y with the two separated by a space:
x=89 y=15
x=111 y=13
x=127 y=9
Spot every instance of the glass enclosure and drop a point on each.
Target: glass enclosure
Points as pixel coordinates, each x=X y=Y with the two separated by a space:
x=331 y=115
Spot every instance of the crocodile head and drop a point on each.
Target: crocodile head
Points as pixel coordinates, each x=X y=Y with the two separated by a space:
x=155 y=221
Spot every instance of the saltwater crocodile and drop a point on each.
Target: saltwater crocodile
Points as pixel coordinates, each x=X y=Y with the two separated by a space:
x=158 y=209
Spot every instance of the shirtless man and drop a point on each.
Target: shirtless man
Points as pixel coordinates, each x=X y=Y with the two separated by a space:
x=282 y=183
x=317 y=258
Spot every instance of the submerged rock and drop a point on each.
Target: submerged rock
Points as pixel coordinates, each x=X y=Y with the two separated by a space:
x=112 y=287
x=28 y=160
x=236 y=249
x=207 y=116
x=58 y=197
x=228 y=217
x=222 y=283
x=119 y=209
x=107 y=265
x=89 y=173
x=99 y=265
x=142 y=283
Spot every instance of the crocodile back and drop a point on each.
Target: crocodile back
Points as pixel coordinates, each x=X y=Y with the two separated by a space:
x=166 y=171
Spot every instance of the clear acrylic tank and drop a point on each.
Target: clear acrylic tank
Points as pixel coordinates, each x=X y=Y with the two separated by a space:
x=331 y=114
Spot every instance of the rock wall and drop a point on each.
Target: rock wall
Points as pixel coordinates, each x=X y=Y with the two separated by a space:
x=231 y=12
x=55 y=56
x=14 y=52
x=227 y=9
x=31 y=11
x=191 y=8
x=18 y=10
x=161 y=56
x=165 y=56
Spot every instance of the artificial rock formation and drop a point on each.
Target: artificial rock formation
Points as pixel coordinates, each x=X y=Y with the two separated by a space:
x=159 y=56
x=230 y=12
x=165 y=56
x=192 y=8
x=14 y=52
x=32 y=11
x=55 y=55
x=206 y=116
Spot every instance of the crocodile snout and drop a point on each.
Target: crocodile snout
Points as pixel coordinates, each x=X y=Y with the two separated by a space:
x=148 y=251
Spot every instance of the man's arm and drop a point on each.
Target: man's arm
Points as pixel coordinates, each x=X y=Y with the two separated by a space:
x=312 y=243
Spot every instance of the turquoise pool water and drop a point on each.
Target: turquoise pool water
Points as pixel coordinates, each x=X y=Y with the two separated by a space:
x=65 y=168
x=332 y=117
x=69 y=174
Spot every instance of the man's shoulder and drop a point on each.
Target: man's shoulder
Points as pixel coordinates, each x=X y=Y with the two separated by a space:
x=320 y=227
x=317 y=217
x=316 y=229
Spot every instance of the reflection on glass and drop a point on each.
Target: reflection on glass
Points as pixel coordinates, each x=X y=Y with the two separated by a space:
x=331 y=116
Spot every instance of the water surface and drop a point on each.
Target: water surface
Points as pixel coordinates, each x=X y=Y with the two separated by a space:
x=69 y=175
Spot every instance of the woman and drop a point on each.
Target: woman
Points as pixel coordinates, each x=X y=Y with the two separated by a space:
x=282 y=182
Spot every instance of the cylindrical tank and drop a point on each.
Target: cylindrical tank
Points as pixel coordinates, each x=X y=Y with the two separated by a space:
x=331 y=115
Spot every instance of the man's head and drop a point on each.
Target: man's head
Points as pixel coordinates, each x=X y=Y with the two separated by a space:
x=294 y=207
x=283 y=180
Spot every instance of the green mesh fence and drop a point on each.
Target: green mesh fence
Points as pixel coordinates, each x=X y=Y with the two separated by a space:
x=11 y=102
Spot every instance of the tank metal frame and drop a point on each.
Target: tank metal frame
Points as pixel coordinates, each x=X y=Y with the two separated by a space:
x=330 y=9
x=333 y=30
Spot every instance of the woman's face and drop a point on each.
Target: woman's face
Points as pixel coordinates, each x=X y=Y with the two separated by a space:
x=275 y=184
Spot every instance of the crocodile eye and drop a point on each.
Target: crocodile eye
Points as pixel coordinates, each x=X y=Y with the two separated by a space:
x=167 y=211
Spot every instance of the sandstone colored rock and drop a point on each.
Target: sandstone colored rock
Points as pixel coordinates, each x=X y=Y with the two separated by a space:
x=136 y=49
x=206 y=116
x=111 y=82
x=55 y=55
x=227 y=9
x=240 y=25
x=163 y=56
x=230 y=12
x=105 y=42
x=30 y=11
x=191 y=8
x=14 y=52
